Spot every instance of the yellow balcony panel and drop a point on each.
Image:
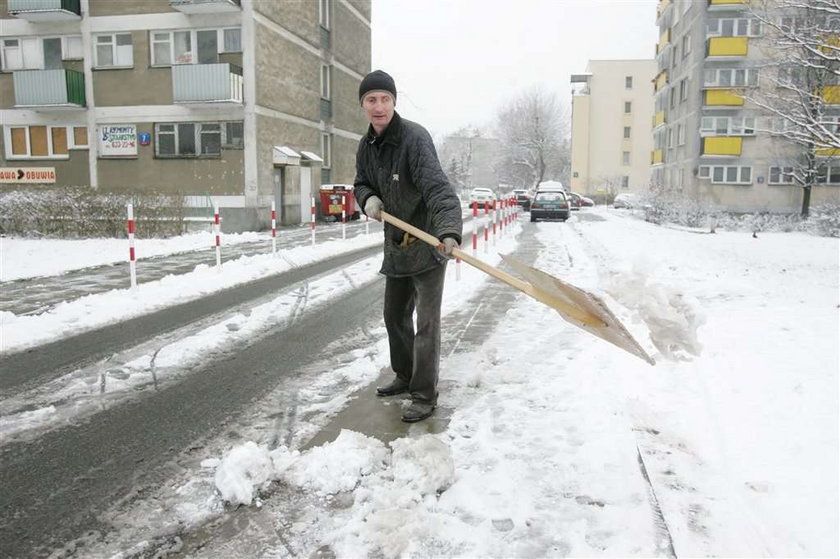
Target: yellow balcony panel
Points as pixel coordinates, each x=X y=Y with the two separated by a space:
x=831 y=94
x=727 y=2
x=659 y=119
x=722 y=145
x=828 y=152
x=660 y=80
x=723 y=97
x=727 y=46
x=656 y=157
x=661 y=7
x=664 y=39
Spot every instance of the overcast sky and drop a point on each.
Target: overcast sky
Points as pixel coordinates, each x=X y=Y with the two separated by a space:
x=456 y=61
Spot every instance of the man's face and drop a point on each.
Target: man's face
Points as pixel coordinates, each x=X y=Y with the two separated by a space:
x=379 y=109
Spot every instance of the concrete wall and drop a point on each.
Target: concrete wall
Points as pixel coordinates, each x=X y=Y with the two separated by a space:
x=580 y=144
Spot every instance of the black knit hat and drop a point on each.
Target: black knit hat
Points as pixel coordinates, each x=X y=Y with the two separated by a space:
x=378 y=81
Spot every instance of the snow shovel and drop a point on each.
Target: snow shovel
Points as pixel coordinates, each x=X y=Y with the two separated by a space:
x=577 y=306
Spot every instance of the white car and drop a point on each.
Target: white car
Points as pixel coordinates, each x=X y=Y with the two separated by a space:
x=481 y=195
x=624 y=200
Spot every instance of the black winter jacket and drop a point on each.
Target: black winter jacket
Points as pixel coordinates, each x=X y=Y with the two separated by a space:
x=402 y=168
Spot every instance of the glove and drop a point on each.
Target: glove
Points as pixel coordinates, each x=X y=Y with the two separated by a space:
x=373 y=207
x=446 y=246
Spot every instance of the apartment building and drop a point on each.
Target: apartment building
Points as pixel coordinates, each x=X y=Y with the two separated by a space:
x=470 y=161
x=229 y=102
x=611 y=114
x=711 y=142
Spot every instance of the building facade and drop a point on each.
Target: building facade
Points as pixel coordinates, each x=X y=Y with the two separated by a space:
x=712 y=142
x=230 y=102
x=470 y=161
x=611 y=114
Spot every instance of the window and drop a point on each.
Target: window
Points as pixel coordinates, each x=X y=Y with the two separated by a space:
x=114 y=51
x=829 y=174
x=627 y=132
x=628 y=82
x=43 y=142
x=233 y=136
x=683 y=90
x=727 y=126
x=781 y=175
x=232 y=40
x=670 y=137
x=673 y=97
x=680 y=134
x=625 y=158
x=72 y=47
x=324 y=13
x=628 y=107
x=686 y=44
x=188 y=139
x=726 y=174
x=22 y=54
x=725 y=27
x=625 y=181
x=326 y=150
x=325 y=81
x=731 y=77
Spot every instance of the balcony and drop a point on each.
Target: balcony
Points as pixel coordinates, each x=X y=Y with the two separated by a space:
x=828 y=152
x=722 y=98
x=831 y=94
x=660 y=80
x=207 y=83
x=206 y=6
x=657 y=157
x=659 y=119
x=45 y=10
x=722 y=145
x=664 y=39
x=728 y=4
x=661 y=8
x=49 y=88
x=727 y=46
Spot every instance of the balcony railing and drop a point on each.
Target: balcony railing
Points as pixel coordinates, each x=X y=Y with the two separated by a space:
x=722 y=145
x=661 y=7
x=49 y=88
x=728 y=3
x=207 y=83
x=205 y=6
x=727 y=46
x=664 y=39
x=659 y=119
x=45 y=10
x=660 y=81
x=657 y=157
x=723 y=98
x=831 y=94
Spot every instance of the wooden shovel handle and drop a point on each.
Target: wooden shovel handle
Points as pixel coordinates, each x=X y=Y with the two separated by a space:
x=523 y=286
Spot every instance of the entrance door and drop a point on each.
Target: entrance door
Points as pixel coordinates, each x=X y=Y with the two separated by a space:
x=52 y=54
x=279 y=198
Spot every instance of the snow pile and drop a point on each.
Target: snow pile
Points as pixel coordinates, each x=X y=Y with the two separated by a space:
x=244 y=470
x=672 y=316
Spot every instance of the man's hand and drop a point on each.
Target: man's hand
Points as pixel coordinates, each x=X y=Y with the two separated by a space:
x=447 y=245
x=373 y=208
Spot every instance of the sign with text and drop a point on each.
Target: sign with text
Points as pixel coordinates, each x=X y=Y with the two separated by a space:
x=118 y=140
x=27 y=175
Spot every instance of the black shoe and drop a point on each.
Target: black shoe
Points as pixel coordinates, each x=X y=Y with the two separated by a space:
x=418 y=411
x=398 y=386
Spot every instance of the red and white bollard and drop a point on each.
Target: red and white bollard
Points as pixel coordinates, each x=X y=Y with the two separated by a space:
x=486 y=226
x=273 y=229
x=218 y=227
x=312 y=219
x=343 y=217
x=495 y=219
x=474 y=223
x=132 y=266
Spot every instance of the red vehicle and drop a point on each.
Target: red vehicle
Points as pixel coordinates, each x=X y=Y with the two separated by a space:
x=332 y=198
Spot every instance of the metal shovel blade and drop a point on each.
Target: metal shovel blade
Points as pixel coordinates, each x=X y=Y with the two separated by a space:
x=577 y=306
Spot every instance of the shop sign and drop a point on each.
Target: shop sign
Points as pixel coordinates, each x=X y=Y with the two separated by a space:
x=118 y=140
x=27 y=175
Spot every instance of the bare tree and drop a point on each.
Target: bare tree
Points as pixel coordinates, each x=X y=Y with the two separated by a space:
x=533 y=129
x=804 y=46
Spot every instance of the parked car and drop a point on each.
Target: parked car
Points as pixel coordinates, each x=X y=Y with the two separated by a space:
x=481 y=195
x=624 y=200
x=523 y=198
x=550 y=205
x=574 y=200
x=585 y=202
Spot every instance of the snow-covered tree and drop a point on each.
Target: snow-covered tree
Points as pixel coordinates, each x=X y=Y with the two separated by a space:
x=800 y=90
x=533 y=129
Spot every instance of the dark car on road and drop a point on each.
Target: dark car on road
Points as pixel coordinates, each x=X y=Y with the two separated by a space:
x=550 y=205
x=523 y=198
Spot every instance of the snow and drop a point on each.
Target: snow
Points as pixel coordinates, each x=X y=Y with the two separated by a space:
x=736 y=425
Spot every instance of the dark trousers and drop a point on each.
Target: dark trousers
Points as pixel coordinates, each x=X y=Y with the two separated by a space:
x=415 y=356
